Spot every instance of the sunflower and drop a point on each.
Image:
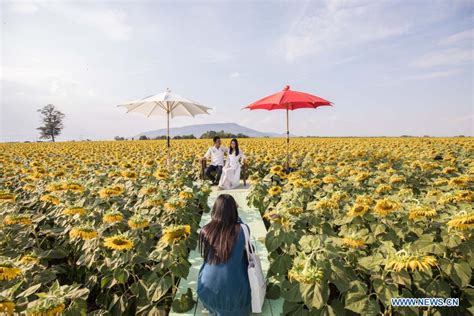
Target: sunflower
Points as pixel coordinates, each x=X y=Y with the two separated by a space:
x=148 y=162
x=295 y=210
x=404 y=261
x=50 y=199
x=57 y=173
x=303 y=270
x=464 y=196
x=118 y=242
x=148 y=190
x=361 y=176
x=462 y=221
x=352 y=242
x=359 y=209
x=447 y=198
x=344 y=172
x=112 y=217
x=364 y=199
x=339 y=196
x=186 y=195
x=111 y=191
x=17 y=220
x=458 y=182
x=276 y=217
x=173 y=204
x=422 y=211
x=83 y=232
x=274 y=191
x=315 y=182
x=383 y=188
x=7 y=308
x=440 y=182
x=161 y=175
x=433 y=193
x=329 y=179
x=29 y=260
x=449 y=170
x=74 y=187
x=276 y=169
x=138 y=222
x=54 y=187
x=207 y=189
x=396 y=179
x=129 y=175
x=7 y=198
x=327 y=203
x=29 y=187
x=47 y=308
x=74 y=210
x=294 y=176
x=111 y=175
x=36 y=176
x=8 y=271
x=154 y=202
x=405 y=192
x=299 y=183
x=175 y=233
x=385 y=206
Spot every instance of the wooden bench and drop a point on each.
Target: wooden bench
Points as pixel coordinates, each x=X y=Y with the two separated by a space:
x=258 y=233
x=243 y=171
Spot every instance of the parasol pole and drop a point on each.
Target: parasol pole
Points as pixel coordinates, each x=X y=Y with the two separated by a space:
x=287 y=138
x=168 y=136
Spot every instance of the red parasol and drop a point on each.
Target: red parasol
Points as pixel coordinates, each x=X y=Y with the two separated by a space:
x=288 y=100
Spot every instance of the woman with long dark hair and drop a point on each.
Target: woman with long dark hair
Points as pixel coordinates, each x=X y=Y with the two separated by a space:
x=223 y=284
x=230 y=177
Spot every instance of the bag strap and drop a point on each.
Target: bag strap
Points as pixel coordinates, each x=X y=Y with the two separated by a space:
x=247 y=240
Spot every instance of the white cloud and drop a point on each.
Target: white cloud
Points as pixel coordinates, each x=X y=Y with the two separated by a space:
x=434 y=75
x=65 y=87
x=446 y=57
x=234 y=75
x=29 y=75
x=53 y=81
x=336 y=24
x=112 y=23
x=457 y=38
x=464 y=118
x=23 y=7
x=213 y=56
x=345 y=60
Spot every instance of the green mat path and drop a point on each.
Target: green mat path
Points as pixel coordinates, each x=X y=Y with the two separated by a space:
x=258 y=232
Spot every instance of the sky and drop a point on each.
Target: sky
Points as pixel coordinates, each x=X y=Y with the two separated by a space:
x=390 y=67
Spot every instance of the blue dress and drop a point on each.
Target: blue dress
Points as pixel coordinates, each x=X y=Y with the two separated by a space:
x=224 y=288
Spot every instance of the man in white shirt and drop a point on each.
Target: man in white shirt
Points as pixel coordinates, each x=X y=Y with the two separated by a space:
x=216 y=153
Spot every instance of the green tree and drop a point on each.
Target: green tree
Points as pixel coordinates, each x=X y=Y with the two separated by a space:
x=222 y=134
x=52 y=120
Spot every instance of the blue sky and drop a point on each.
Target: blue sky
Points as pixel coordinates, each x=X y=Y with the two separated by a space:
x=390 y=67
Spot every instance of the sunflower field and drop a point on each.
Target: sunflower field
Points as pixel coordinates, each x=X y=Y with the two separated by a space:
x=105 y=228
x=101 y=228
x=361 y=221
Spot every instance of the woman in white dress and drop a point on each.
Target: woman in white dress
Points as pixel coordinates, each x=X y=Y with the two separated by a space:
x=230 y=177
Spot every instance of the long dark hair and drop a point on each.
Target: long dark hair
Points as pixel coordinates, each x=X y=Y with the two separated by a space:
x=218 y=237
x=236 y=147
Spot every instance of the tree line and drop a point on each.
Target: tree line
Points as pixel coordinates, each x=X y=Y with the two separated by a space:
x=206 y=135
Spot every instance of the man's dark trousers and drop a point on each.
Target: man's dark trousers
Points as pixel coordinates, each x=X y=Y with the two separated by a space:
x=217 y=169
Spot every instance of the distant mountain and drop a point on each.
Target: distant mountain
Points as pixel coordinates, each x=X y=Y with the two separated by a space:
x=198 y=130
